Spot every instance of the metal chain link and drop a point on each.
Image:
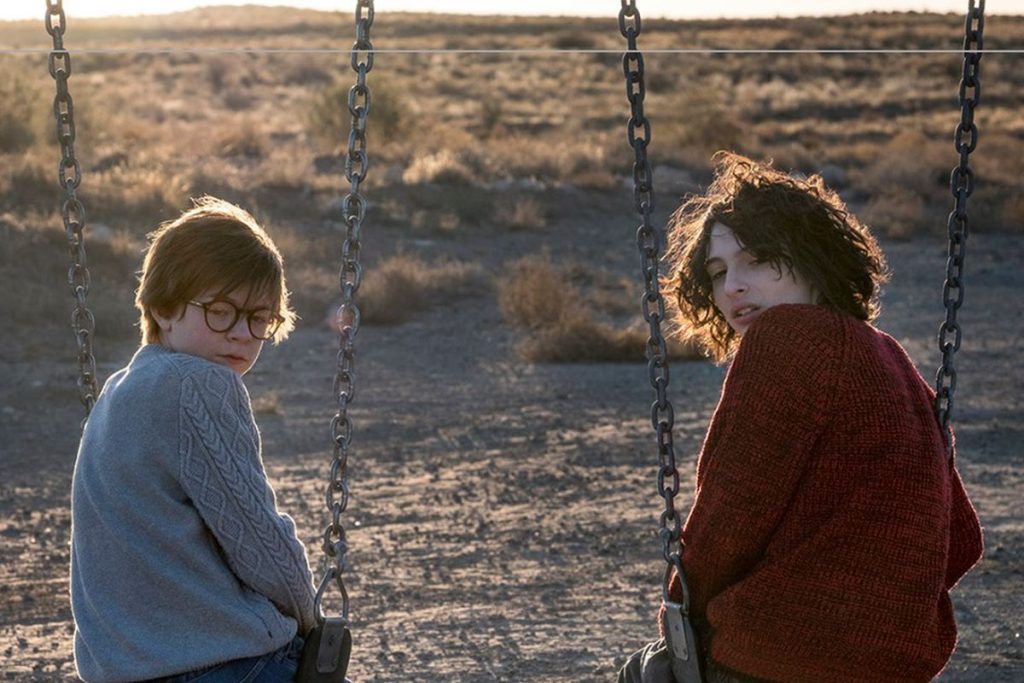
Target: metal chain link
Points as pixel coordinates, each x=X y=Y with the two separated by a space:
x=72 y=212
x=961 y=184
x=335 y=544
x=649 y=240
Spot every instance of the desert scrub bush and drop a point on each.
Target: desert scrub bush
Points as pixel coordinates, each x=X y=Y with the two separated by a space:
x=24 y=109
x=404 y=284
x=897 y=212
x=909 y=161
x=330 y=120
x=533 y=294
x=575 y=40
x=903 y=184
x=701 y=121
x=577 y=159
x=444 y=168
x=247 y=139
x=542 y=300
x=491 y=113
x=1011 y=216
x=29 y=182
x=520 y=212
x=140 y=195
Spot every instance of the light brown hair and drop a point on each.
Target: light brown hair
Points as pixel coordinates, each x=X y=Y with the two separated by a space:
x=793 y=223
x=215 y=245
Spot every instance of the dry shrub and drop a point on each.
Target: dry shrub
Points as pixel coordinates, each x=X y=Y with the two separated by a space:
x=247 y=139
x=267 y=404
x=22 y=110
x=403 y=284
x=534 y=294
x=520 y=212
x=700 y=120
x=435 y=220
x=444 y=167
x=237 y=98
x=217 y=70
x=909 y=162
x=143 y=195
x=898 y=212
x=30 y=182
x=541 y=299
x=575 y=40
x=572 y=159
x=330 y=120
x=1011 y=217
x=491 y=110
x=579 y=339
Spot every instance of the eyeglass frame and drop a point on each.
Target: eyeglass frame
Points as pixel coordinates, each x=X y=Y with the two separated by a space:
x=275 y=318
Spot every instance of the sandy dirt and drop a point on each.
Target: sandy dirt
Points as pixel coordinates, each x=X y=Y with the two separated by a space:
x=503 y=517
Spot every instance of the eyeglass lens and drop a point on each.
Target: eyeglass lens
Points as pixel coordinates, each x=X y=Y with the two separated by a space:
x=221 y=316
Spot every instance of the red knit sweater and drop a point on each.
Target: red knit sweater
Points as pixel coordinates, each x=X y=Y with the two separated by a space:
x=828 y=525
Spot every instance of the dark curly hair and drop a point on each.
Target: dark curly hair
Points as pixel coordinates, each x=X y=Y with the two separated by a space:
x=792 y=223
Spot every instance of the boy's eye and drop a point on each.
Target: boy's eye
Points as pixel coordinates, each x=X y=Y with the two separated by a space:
x=718 y=274
x=221 y=311
x=261 y=317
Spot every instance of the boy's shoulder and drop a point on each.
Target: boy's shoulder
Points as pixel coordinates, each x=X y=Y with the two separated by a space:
x=169 y=368
x=800 y=326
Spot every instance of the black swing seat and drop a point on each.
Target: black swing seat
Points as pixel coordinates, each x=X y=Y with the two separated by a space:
x=326 y=653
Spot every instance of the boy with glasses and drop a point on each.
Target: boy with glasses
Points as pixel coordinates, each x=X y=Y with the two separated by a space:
x=181 y=564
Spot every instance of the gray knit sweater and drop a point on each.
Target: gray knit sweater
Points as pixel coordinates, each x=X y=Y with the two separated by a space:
x=179 y=556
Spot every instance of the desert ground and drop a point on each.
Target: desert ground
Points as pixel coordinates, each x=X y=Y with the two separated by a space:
x=504 y=506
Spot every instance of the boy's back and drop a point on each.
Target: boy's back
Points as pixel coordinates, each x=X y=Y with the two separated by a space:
x=168 y=485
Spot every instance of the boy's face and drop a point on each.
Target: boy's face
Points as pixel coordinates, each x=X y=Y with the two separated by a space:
x=743 y=287
x=186 y=331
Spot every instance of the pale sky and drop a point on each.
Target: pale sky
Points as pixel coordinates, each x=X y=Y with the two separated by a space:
x=679 y=9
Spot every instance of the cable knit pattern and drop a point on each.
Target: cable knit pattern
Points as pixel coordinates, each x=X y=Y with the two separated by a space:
x=220 y=452
x=179 y=556
x=827 y=526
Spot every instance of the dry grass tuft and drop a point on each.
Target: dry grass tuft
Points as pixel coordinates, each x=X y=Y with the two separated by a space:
x=247 y=139
x=534 y=294
x=141 y=195
x=1011 y=217
x=329 y=118
x=267 y=404
x=541 y=299
x=29 y=183
x=898 y=213
x=520 y=212
x=403 y=284
x=22 y=110
x=444 y=168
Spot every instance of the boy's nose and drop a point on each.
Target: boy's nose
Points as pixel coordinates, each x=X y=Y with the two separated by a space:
x=734 y=284
x=240 y=330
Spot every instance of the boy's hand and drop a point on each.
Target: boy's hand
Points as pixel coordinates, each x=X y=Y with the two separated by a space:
x=651 y=664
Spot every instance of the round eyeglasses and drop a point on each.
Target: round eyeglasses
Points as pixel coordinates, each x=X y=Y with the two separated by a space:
x=221 y=316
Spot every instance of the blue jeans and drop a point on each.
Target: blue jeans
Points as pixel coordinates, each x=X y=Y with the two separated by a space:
x=279 y=666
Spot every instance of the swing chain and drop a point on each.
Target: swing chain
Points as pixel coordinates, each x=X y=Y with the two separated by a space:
x=354 y=205
x=649 y=241
x=72 y=212
x=961 y=185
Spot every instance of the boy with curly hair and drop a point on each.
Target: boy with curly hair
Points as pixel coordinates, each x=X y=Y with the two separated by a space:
x=829 y=522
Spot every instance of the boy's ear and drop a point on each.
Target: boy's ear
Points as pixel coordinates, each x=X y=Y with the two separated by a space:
x=163 y=319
